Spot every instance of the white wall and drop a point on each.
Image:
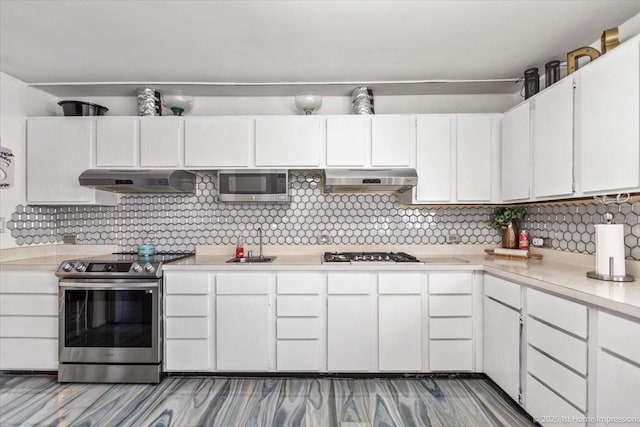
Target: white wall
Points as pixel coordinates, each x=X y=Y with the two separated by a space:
x=18 y=101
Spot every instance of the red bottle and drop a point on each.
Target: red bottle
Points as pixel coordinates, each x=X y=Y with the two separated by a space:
x=523 y=240
x=240 y=248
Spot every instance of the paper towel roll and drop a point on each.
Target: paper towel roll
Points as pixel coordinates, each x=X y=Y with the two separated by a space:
x=610 y=243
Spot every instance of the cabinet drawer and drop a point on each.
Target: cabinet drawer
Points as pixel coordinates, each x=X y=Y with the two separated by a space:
x=565 y=314
x=565 y=348
x=187 y=305
x=450 y=305
x=32 y=327
x=29 y=305
x=299 y=328
x=29 y=353
x=548 y=408
x=400 y=283
x=450 y=283
x=614 y=333
x=298 y=305
x=350 y=283
x=300 y=283
x=450 y=328
x=451 y=355
x=298 y=355
x=187 y=355
x=187 y=327
x=242 y=283
x=503 y=291
x=568 y=384
x=22 y=282
x=186 y=283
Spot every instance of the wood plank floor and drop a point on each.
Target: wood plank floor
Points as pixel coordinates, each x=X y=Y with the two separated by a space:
x=27 y=400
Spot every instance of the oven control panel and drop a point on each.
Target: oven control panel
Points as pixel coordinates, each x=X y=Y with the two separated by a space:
x=86 y=269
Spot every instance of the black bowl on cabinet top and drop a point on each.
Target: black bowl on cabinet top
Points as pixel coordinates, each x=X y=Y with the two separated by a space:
x=80 y=108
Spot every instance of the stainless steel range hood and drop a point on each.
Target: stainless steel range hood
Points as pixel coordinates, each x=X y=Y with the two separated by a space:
x=140 y=181
x=369 y=180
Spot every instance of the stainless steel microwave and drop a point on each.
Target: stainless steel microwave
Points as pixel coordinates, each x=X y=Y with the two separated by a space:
x=257 y=185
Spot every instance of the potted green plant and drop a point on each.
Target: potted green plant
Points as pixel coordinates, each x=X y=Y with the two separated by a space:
x=506 y=219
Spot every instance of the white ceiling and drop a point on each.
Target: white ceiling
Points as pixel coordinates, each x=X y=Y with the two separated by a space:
x=274 y=42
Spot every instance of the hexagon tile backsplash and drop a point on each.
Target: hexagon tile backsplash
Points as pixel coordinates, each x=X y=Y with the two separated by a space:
x=179 y=222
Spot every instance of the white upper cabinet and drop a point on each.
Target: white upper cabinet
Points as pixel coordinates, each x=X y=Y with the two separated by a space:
x=59 y=149
x=608 y=115
x=348 y=138
x=515 y=153
x=433 y=161
x=553 y=141
x=295 y=141
x=117 y=141
x=457 y=159
x=160 y=141
x=132 y=142
x=392 y=142
x=212 y=142
x=475 y=157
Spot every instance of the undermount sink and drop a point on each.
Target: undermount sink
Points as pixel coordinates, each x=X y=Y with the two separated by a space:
x=257 y=259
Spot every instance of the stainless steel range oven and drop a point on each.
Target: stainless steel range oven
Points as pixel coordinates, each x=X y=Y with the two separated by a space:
x=110 y=319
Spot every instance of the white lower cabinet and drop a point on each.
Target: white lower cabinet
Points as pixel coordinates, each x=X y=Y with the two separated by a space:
x=28 y=320
x=351 y=320
x=502 y=345
x=299 y=331
x=243 y=318
x=400 y=321
x=188 y=312
x=557 y=354
x=450 y=318
x=618 y=367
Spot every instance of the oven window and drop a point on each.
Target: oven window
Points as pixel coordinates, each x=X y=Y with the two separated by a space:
x=108 y=318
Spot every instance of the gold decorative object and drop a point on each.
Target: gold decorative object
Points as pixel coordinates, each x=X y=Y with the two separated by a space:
x=574 y=55
x=609 y=40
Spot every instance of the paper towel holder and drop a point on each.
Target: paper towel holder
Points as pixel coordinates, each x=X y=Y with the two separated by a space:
x=608 y=217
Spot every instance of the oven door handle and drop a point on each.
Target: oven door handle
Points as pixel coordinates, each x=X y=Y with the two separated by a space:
x=109 y=285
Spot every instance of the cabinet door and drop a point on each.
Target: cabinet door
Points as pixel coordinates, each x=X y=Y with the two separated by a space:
x=400 y=333
x=349 y=333
x=502 y=346
x=391 y=141
x=117 y=142
x=553 y=141
x=242 y=326
x=289 y=141
x=474 y=158
x=218 y=142
x=607 y=120
x=347 y=138
x=515 y=153
x=618 y=382
x=160 y=139
x=433 y=161
x=58 y=151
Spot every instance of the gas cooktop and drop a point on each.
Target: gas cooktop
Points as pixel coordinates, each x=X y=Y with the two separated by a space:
x=369 y=257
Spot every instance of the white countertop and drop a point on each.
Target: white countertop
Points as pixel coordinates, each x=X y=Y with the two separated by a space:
x=559 y=272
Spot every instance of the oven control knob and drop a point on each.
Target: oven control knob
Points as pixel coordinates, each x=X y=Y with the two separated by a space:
x=148 y=268
x=67 y=267
x=136 y=267
x=81 y=266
